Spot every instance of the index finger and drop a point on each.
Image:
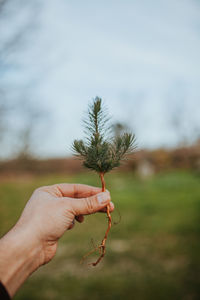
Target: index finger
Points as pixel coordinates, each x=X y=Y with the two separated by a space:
x=74 y=190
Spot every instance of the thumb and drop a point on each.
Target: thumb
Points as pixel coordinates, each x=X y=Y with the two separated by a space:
x=89 y=205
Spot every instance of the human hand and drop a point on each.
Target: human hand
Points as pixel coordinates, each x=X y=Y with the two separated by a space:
x=50 y=211
x=53 y=209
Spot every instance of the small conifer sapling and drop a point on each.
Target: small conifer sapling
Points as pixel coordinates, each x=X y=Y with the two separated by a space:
x=101 y=152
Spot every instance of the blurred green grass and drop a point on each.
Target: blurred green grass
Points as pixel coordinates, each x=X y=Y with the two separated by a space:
x=153 y=253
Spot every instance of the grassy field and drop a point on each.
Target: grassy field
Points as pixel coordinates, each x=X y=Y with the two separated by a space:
x=153 y=253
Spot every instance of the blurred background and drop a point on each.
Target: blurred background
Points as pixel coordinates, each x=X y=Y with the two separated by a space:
x=142 y=58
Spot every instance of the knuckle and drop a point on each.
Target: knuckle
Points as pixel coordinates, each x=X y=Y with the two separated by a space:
x=89 y=205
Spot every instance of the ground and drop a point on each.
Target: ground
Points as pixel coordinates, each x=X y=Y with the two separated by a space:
x=153 y=253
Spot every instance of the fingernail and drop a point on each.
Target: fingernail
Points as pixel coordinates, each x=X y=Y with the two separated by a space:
x=103 y=197
x=112 y=205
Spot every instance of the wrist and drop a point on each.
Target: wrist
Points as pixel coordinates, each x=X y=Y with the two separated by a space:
x=20 y=255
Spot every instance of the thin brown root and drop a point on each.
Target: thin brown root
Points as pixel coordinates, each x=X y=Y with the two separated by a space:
x=120 y=218
x=102 y=246
x=100 y=257
x=89 y=253
x=103 y=243
x=95 y=246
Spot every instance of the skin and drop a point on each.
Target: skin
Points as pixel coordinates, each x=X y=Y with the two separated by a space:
x=33 y=241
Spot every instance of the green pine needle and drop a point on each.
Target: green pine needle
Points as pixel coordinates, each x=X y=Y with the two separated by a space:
x=99 y=151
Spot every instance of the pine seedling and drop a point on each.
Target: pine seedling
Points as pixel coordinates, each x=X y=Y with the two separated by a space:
x=102 y=152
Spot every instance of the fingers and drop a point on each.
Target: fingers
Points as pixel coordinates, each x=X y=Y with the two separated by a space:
x=79 y=218
x=111 y=208
x=77 y=190
x=89 y=205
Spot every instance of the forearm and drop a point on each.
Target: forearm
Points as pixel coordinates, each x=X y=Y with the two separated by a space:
x=19 y=257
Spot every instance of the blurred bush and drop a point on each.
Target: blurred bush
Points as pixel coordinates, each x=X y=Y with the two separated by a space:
x=144 y=162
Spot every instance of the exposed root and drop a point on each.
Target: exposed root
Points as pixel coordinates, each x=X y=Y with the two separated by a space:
x=102 y=246
x=89 y=253
x=103 y=243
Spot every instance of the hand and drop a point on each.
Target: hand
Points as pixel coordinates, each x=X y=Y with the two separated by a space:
x=50 y=211
x=53 y=209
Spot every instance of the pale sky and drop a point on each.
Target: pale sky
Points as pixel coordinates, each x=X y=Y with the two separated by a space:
x=141 y=57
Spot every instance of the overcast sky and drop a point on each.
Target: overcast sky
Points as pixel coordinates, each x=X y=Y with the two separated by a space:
x=141 y=57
